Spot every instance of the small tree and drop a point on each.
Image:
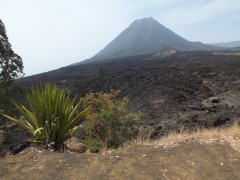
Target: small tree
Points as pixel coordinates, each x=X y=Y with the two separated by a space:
x=108 y=123
x=52 y=116
x=11 y=65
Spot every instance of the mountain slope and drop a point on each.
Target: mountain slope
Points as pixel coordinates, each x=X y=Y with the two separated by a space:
x=147 y=36
x=237 y=48
x=227 y=44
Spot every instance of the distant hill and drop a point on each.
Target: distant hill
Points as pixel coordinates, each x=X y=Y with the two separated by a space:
x=231 y=44
x=146 y=36
x=234 y=48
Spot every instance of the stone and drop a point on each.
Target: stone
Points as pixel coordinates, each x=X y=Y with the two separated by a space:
x=214 y=99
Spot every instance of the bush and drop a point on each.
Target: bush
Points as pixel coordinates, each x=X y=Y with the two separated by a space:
x=94 y=146
x=108 y=122
x=52 y=117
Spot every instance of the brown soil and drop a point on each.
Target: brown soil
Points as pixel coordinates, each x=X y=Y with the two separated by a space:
x=189 y=160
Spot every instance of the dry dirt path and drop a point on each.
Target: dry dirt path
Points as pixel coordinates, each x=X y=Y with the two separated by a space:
x=186 y=161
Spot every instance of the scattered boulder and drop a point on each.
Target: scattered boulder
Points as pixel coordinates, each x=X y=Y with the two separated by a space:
x=74 y=145
x=79 y=147
x=214 y=99
x=221 y=121
x=18 y=147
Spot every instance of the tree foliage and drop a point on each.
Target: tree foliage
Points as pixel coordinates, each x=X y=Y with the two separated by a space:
x=11 y=65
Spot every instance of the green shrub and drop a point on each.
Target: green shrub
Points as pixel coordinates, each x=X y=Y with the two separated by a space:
x=52 y=116
x=95 y=146
x=108 y=121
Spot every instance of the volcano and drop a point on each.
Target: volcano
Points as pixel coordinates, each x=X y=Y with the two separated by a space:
x=146 y=36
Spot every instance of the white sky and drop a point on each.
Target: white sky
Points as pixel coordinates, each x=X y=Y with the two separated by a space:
x=49 y=34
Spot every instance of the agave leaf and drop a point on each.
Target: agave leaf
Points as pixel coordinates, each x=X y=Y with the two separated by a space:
x=52 y=115
x=73 y=112
x=31 y=118
x=68 y=134
x=72 y=131
x=80 y=115
x=34 y=141
x=21 y=110
x=71 y=122
x=39 y=129
x=20 y=123
x=69 y=115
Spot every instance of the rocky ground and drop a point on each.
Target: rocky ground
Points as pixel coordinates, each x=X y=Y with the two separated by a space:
x=184 y=91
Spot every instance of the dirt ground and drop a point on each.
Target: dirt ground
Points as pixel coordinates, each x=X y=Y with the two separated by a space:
x=189 y=160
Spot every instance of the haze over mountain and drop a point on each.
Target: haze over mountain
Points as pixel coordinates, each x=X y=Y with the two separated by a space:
x=147 y=36
x=231 y=44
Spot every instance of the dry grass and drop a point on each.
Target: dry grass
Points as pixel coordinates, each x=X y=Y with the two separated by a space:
x=230 y=135
x=228 y=53
x=144 y=135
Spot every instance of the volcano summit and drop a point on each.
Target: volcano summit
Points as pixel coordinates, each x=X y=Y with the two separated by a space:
x=147 y=36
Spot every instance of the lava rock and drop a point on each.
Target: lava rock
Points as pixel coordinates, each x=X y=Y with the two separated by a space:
x=197 y=108
x=16 y=148
x=214 y=99
x=221 y=121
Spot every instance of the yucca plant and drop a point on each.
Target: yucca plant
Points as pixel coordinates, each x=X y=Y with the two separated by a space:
x=52 y=116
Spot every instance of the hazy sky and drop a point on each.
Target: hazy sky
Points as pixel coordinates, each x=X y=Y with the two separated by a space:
x=49 y=34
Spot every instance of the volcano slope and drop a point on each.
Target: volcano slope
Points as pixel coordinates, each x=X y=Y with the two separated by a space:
x=184 y=91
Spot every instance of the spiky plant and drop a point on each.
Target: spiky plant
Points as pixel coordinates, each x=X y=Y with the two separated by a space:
x=52 y=116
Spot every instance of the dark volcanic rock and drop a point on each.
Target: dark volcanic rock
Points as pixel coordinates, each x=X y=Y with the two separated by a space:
x=16 y=139
x=221 y=121
x=172 y=92
x=16 y=148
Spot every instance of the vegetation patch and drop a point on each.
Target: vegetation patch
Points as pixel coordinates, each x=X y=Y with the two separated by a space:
x=230 y=135
x=234 y=53
x=108 y=123
x=51 y=117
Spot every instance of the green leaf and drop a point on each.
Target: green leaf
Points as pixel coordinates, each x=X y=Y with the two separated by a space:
x=52 y=115
x=20 y=123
